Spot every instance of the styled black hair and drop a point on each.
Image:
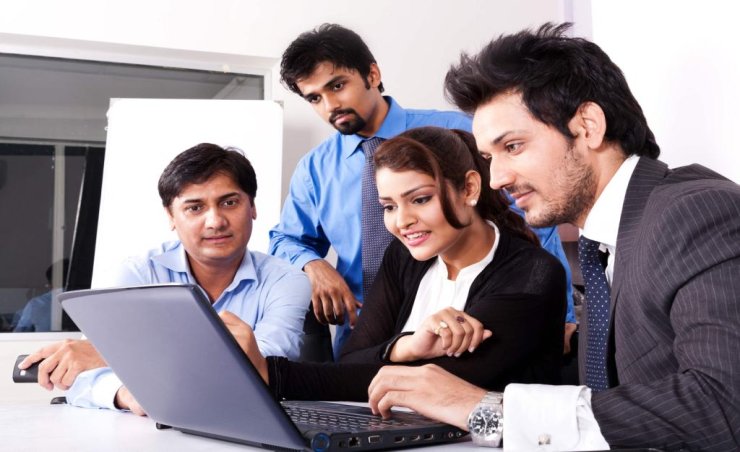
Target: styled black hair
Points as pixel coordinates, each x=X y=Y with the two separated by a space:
x=555 y=74
x=199 y=163
x=447 y=155
x=327 y=43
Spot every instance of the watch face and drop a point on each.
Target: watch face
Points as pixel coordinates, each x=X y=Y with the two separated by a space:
x=485 y=422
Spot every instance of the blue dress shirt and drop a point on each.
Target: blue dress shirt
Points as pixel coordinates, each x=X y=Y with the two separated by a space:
x=323 y=206
x=266 y=293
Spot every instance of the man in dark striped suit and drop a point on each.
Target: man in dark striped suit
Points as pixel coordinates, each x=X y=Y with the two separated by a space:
x=660 y=341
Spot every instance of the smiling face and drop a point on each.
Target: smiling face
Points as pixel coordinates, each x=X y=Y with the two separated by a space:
x=213 y=220
x=547 y=174
x=413 y=214
x=344 y=99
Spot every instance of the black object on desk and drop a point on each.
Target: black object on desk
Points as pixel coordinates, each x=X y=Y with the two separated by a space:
x=30 y=375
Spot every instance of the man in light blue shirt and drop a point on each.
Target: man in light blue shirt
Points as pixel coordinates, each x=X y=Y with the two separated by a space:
x=208 y=193
x=332 y=69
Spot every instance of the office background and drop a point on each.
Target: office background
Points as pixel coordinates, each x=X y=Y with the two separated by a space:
x=678 y=56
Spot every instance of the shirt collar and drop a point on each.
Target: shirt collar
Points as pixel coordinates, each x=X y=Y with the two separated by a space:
x=393 y=124
x=175 y=259
x=602 y=222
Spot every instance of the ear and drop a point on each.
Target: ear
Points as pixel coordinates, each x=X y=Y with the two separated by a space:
x=254 y=210
x=589 y=123
x=373 y=77
x=472 y=187
x=168 y=211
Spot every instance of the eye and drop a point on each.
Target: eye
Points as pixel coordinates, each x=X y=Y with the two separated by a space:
x=513 y=148
x=230 y=202
x=312 y=99
x=337 y=86
x=193 y=208
x=486 y=156
x=388 y=208
x=422 y=199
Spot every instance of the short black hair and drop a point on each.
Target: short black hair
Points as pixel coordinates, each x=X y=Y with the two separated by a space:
x=555 y=74
x=201 y=162
x=327 y=43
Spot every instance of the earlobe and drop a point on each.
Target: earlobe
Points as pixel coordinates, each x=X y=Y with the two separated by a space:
x=472 y=187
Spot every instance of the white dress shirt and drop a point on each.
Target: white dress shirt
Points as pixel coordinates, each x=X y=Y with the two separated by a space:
x=564 y=413
x=436 y=291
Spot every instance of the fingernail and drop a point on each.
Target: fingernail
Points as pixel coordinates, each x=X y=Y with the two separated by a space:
x=457 y=355
x=471 y=349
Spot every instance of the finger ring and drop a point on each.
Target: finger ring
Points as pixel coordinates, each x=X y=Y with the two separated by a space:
x=443 y=324
x=436 y=331
x=460 y=319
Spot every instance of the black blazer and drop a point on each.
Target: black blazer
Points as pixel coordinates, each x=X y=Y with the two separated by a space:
x=675 y=313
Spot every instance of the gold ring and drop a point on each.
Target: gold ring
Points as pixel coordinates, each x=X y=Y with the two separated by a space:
x=443 y=324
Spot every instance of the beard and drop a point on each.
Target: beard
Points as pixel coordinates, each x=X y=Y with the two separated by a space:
x=574 y=189
x=350 y=127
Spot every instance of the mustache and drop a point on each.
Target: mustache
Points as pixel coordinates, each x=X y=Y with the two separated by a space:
x=517 y=189
x=346 y=111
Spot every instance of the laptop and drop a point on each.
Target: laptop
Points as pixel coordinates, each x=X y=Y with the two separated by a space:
x=172 y=351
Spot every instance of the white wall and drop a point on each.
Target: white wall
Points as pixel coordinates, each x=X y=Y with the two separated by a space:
x=414 y=42
x=682 y=61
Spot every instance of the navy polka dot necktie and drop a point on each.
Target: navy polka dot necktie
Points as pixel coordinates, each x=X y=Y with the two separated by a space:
x=375 y=237
x=597 y=313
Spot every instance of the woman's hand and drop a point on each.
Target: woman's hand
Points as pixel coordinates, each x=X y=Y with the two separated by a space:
x=245 y=338
x=447 y=332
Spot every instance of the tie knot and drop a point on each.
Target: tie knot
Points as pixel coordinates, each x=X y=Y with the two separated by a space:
x=587 y=248
x=369 y=146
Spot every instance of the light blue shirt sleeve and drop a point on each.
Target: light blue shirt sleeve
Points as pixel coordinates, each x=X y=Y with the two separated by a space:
x=299 y=237
x=94 y=388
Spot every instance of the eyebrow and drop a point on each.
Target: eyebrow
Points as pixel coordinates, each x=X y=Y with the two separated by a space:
x=220 y=198
x=501 y=137
x=409 y=192
x=332 y=81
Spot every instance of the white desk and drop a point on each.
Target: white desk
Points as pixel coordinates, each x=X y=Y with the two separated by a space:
x=35 y=426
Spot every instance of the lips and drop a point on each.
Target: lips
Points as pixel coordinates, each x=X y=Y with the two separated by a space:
x=341 y=116
x=521 y=197
x=416 y=238
x=217 y=239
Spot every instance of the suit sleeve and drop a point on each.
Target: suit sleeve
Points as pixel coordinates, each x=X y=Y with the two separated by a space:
x=695 y=268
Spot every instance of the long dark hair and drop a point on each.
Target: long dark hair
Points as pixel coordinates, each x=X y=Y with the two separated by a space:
x=447 y=155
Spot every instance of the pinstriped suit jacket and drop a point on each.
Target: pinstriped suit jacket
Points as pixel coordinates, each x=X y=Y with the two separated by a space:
x=675 y=324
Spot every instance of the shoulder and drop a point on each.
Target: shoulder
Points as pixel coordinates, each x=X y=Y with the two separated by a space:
x=273 y=269
x=518 y=259
x=447 y=119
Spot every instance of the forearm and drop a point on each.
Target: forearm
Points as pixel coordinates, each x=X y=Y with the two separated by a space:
x=320 y=381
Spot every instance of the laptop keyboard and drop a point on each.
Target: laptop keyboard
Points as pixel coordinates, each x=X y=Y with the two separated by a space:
x=344 y=421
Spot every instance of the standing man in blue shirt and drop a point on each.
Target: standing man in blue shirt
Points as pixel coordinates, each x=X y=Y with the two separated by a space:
x=333 y=69
x=208 y=193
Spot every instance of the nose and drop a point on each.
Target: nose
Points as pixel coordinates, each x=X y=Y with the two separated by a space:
x=215 y=219
x=404 y=217
x=331 y=102
x=501 y=174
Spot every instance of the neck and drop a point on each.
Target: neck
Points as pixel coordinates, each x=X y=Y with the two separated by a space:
x=471 y=247
x=377 y=116
x=604 y=165
x=214 y=279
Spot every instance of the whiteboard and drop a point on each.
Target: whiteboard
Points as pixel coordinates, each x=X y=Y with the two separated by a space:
x=144 y=135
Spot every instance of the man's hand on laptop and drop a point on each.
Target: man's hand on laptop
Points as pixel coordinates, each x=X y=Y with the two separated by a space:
x=126 y=401
x=428 y=390
x=244 y=336
x=63 y=361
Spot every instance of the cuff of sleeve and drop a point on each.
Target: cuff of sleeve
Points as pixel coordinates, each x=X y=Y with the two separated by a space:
x=274 y=363
x=104 y=390
x=385 y=352
x=561 y=414
x=304 y=259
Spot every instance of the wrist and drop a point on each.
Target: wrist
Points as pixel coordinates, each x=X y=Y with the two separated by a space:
x=486 y=421
x=401 y=352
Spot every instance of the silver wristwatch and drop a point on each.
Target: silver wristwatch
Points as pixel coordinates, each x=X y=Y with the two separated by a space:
x=486 y=421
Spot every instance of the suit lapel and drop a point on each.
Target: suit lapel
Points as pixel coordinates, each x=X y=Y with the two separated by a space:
x=647 y=175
